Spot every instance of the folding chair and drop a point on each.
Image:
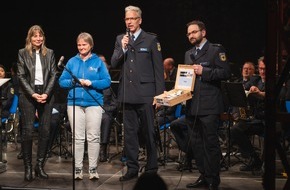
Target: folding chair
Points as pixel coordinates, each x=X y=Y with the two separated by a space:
x=11 y=122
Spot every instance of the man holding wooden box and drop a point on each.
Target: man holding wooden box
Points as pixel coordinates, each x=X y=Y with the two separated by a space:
x=203 y=110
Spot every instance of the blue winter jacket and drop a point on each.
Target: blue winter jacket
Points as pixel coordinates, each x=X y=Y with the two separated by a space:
x=93 y=69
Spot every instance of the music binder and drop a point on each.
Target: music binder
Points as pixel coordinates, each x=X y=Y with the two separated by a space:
x=236 y=94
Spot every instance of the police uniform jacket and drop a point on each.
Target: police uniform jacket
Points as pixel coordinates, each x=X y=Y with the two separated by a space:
x=207 y=96
x=141 y=68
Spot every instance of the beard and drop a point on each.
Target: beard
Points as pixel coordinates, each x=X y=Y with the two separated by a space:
x=195 y=41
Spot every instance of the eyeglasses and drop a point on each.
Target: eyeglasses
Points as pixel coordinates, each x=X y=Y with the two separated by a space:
x=131 y=19
x=192 y=32
x=262 y=69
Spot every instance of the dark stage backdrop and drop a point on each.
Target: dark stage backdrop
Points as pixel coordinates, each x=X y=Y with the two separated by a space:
x=239 y=25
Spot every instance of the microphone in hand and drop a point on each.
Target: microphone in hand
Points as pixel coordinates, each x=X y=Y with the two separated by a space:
x=128 y=32
x=129 y=36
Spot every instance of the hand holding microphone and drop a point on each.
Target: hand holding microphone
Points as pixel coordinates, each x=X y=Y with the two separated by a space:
x=125 y=39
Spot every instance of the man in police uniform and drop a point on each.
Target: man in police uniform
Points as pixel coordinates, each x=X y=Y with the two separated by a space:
x=203 y=110
x=138 y=55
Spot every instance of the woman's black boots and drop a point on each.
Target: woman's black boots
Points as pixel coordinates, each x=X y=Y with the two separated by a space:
x=39 y=172
x=27 y=157
x=40 y=161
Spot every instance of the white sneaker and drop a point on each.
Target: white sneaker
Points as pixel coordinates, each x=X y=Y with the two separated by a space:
x=93 y=174
x=78 y=173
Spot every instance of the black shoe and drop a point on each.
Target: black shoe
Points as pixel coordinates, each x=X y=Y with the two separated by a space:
x=103 y=158
x=212 y=187
x=200 y=182
x=103 y=153
x=128 y=176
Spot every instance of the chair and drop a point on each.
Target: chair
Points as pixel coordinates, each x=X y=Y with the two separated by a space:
x=11 y=122
x=167 y=135
x=177 y=114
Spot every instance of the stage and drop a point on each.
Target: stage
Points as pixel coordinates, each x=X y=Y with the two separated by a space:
x=59 y=169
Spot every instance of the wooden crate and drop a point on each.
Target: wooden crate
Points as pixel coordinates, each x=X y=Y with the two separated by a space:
x=184 y=85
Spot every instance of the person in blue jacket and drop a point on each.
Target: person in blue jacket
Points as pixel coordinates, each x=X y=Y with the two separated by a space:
x=86 y=76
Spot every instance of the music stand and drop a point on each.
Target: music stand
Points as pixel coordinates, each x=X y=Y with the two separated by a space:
x=2 y=162
x=235 y=95
x=117 y=125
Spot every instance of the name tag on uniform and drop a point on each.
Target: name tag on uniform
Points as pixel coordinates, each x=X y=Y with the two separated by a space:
x=143 y=49
x=204 y=64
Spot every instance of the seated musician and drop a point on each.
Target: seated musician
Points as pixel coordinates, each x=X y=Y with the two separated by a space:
x=248 y=72
x=254 y=125
x=7 y=93
x=162 y=118
x=179 y=129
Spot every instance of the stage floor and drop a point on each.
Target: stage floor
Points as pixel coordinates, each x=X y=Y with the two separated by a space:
x=59 y=169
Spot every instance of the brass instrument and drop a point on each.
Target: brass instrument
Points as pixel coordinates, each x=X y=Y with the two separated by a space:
x=243 y=113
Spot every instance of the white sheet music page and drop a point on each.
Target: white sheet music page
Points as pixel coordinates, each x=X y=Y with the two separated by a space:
x=3 y=81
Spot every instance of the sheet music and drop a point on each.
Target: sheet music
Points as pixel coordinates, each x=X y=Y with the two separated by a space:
x=3 y=81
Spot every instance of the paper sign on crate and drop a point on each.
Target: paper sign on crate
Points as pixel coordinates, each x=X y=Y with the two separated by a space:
x=184 y=85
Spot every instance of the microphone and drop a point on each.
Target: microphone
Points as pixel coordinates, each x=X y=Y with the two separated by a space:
x=128 y=32
x=59 y=64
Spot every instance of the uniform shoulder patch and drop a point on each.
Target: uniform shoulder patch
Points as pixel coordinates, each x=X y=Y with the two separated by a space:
x=158 y=46
x=12 y=90
x=223 y=56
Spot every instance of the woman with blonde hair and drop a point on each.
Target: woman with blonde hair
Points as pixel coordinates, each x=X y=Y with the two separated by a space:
x=84 y=102
x=36 y=71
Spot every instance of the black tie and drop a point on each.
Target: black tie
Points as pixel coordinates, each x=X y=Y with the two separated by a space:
x=197 y=51
x=132 y=38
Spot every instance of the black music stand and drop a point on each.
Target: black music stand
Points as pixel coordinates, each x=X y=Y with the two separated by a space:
x=117 y=124
x=235 y=95
x=58 y=133
x=3 y=163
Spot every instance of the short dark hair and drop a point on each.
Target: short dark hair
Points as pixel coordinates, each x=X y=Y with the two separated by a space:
x=199 y=23
x=2 y=66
